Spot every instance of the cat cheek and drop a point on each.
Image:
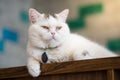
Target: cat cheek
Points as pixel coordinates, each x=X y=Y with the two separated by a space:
x=47 y=37
x=57 y=36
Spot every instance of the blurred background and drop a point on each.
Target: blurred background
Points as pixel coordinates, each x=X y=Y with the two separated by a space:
x=98 y=20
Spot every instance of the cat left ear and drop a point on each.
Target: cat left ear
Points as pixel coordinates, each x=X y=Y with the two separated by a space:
x=34 y=15
x=63 y=15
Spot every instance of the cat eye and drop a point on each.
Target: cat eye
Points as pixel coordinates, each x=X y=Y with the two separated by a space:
x=45 y=27
x=58 y=28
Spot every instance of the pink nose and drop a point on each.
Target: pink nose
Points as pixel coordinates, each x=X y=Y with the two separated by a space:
x=53 y=33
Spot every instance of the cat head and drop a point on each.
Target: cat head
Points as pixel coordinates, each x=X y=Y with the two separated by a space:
x=49 y=27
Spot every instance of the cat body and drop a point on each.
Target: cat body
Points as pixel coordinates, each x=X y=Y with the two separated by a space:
x=51 y=35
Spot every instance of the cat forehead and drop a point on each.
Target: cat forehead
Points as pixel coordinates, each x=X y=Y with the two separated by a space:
x=50 y=19
x=47 y=16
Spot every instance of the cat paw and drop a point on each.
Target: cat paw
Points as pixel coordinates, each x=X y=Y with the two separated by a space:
x=34 y=71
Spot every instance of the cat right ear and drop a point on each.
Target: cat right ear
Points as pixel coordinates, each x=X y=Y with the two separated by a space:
x=63 y=15
x=34 y=15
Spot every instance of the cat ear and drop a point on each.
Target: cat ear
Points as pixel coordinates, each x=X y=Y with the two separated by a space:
x=63 y=15
x=34 y=15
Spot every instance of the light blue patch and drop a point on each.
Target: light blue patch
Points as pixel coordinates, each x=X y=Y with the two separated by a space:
x=9 y=34
x=1 y=46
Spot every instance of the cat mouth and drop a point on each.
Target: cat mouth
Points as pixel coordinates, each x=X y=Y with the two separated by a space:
x=52 y=38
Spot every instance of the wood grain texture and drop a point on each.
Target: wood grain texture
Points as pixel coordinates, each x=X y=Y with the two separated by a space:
x=96 y=75
x=93 y=69
x=117 y=74
x=13 y=72
x=81 y=66
x=110 y=74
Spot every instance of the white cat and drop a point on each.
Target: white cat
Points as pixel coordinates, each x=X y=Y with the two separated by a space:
x=50 y=40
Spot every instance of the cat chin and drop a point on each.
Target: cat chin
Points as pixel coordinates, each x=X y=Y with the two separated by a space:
x=52 y=40
x=54 y=44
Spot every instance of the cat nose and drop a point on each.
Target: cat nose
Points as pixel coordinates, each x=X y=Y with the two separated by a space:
x=53 y=33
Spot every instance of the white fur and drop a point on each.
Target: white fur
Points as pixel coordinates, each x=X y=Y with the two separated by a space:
x=71 y=46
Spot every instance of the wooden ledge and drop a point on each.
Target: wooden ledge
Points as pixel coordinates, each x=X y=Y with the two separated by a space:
x=64 y=67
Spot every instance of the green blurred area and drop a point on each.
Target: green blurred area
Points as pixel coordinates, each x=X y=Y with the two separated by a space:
x=24 y=18
x=114 y=44
x=83 y=11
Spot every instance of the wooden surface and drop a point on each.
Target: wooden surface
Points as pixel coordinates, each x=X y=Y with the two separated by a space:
x=93 y=69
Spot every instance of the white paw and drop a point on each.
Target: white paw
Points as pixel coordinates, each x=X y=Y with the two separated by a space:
x=34 y=70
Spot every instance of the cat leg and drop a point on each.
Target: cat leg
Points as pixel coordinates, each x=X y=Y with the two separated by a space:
x=33 y=67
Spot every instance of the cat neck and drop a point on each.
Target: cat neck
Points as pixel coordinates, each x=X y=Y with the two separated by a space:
x=49 y=48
